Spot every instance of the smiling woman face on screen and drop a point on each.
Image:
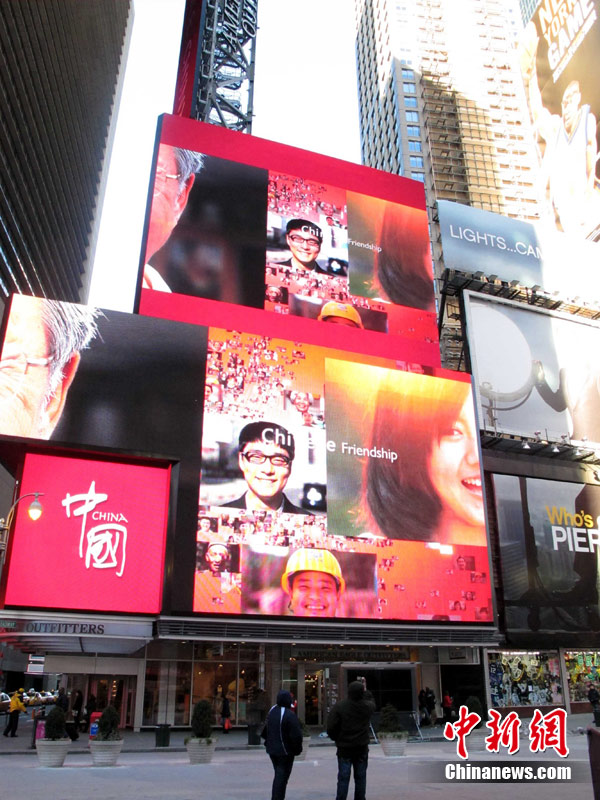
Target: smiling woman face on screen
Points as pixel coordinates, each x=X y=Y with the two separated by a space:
x=431 y=490
x=456 y=477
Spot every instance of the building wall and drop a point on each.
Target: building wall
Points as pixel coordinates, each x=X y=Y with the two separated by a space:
x=59 y=61
x=474 y=145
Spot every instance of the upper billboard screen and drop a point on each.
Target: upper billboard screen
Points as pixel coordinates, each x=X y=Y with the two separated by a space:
x=536 y=372
x=292 y=458
x=510 y=249
x=559 y=61
x=549 y=538
x=241 y=220
x=100 y=541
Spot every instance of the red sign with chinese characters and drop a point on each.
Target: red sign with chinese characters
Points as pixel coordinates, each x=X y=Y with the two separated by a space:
x=546 y=732
x=100 y=542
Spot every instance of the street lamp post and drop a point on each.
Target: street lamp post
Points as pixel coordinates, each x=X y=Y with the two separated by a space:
x=35 y=511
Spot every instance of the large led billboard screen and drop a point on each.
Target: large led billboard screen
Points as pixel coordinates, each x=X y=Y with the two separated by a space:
x=549 y=539
x=241 y=220
x=515 y=250
x=292 y=459
x=559 y=62
x=536 y=372
x=100 y=541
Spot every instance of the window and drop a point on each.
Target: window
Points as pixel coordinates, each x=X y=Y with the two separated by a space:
x=418 y=176
x=412 y=116
x=408 y=73
x=415 y=147
x=410 y=102
x=416 y=161
x=413 y=130
x=409 y=88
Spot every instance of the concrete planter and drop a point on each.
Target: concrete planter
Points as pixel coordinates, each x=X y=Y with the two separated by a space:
x=199 y=751
x=52 y=753
x=392 y=746
x=105 y=754
x=305 y=744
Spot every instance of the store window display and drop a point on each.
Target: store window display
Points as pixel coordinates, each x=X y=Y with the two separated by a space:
x=525 y=679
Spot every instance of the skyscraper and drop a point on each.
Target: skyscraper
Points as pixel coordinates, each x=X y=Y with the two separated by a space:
x=442 y=99
x=58 y=75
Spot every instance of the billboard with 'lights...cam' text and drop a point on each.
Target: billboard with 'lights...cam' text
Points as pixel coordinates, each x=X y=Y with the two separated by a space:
x=533 y=255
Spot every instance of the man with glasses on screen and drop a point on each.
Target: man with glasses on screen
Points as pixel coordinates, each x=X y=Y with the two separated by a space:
x=39 y=359
x=266 y=453
x=304 y=240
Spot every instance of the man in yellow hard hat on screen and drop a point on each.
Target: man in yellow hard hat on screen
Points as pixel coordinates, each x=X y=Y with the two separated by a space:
x=314 y=583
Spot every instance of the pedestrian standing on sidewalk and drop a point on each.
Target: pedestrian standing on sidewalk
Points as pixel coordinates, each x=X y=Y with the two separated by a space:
x=447 y=706
x=283 y=739
x=225 y=713
x=14 y=710
x=90 y=707
x=348 y=724
x=594 y=698
x=62 y=701
x=77 y=709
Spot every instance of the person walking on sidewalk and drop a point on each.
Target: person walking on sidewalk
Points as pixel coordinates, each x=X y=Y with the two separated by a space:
x=14 y=710
x=62 y=701
x=348 y=724
x=283 y=739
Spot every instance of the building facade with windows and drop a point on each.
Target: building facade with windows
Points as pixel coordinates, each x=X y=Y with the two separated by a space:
x=435 y=111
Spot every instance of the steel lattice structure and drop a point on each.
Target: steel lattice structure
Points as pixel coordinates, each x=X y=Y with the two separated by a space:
x=226 y=63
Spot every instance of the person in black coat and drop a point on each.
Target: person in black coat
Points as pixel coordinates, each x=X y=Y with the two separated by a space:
x=77 y=708
x=225 y=713
x=90 y=708
x=283 y=739
x=348 y=724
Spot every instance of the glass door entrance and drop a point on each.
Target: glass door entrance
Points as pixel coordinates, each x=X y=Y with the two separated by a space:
x=314 y=697
x=117 y=691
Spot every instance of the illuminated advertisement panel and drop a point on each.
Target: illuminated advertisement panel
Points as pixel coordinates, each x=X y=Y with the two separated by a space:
x=559 y=61
x=549 y=538
x=329 y=485
x=296 y=473
x=511 y=249
x=241 y=220
x=100 y=541
x=536 y=372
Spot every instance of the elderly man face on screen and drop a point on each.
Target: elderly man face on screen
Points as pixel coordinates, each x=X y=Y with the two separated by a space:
x=176 y=170
x=39 y=359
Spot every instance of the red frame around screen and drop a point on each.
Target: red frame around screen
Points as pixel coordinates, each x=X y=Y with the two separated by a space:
x=221 y=142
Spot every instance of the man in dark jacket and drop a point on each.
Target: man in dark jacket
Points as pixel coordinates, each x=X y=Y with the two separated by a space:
x=283 y=739
x=348 y=724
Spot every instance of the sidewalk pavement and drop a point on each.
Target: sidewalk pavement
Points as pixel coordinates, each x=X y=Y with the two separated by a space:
x=237 y=739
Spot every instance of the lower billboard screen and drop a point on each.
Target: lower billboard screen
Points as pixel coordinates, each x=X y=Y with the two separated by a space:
x=99 y=543
x=331 y=487
x=312 y=480
x=549 y=538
